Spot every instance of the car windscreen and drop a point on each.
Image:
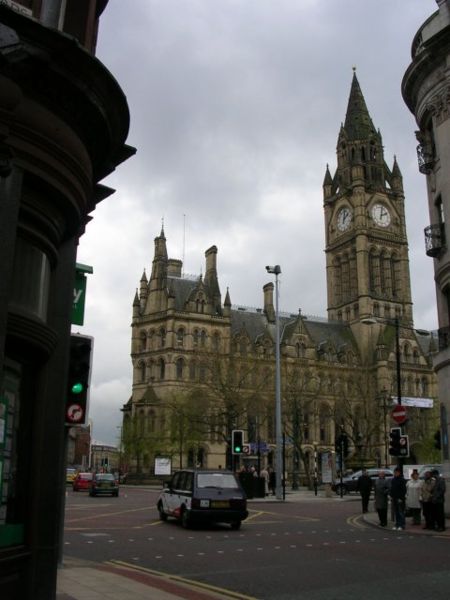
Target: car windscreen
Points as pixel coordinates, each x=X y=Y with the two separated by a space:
x=105 y=477
x=216 y=480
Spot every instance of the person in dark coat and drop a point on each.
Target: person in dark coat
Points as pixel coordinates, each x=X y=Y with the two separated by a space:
x=398 y=496
x=364 y=487
x=381 y=490
x=437 y=501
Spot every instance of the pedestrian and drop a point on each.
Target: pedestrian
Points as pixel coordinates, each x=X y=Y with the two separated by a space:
x=398 y=496
x=265 y=475
x=413 y=495
x=272 y=480
x=364 y=487
x=381 y=492
x=427 y=506
x=437 y=501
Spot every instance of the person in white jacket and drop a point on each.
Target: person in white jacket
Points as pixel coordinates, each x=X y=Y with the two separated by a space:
x=414 y=497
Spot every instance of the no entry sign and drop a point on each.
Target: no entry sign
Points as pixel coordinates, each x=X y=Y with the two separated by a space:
x=399 y=414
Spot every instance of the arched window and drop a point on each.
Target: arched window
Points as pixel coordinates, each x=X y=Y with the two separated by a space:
x=406 y=353
x=345 y=277
x=216 y=341
x=141 y=367
x=143 y=341
x=203 y=338
x=162 y=368
x=192 y=370
x=337 y=280
x=179 y=368
x=162 y=337
x=416 y=356
x=374 y=271
x=150 y=339
x=180 y=336
x=196 y=337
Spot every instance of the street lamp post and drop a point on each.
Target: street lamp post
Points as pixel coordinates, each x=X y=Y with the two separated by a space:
x=276 y=270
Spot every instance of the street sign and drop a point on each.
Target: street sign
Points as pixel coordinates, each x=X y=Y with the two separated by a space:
x=399 y=414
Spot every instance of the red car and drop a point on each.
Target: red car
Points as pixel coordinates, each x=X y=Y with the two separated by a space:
x=82 y=482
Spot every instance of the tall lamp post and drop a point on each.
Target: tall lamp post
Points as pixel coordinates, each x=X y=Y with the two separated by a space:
x=276 y=270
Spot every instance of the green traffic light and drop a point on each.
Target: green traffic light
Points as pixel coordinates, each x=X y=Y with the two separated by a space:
x=77 y=388
x=237 y=449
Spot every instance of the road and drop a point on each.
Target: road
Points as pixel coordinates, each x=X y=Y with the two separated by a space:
x=312 y=549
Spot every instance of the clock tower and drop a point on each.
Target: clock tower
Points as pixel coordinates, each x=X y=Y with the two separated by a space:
x=366 y=243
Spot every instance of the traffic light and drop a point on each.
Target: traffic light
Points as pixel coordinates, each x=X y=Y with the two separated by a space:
x=394 y=441
x=341 y=444
x=78 y=379
x=237 y=441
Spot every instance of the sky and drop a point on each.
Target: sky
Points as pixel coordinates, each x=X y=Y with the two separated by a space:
x=235 y=110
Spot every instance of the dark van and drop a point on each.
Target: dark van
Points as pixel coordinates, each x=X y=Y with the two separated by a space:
x=195 y=496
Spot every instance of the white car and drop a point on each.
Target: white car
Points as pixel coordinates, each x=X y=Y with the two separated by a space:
x=194 y=496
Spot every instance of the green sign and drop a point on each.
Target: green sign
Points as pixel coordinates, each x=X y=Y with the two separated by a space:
x=79 y=293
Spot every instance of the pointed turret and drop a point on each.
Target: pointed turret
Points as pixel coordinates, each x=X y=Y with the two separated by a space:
x=136 y=305
x=211 y=280
x=327 y=184
x=227 y=304
x=160 y=260
x=143 y=290
x=396 y=177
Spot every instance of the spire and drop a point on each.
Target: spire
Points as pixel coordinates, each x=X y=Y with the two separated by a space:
x=227 y=301
x=328 y=180
x=358 y=124
x=396 y=169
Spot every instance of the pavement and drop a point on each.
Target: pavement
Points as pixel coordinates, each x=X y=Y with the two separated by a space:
x=84 y=580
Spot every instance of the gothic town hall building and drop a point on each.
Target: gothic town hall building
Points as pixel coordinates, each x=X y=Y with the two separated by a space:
x=203 y=367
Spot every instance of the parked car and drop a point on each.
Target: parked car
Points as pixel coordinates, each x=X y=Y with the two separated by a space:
x=82 y=482
x=426 y=468
x=71 y=473
x=350 y=482
x=104 y=483
x=195 y=496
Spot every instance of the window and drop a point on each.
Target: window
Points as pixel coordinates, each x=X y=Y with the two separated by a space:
x=162 y=368
x=203 y=338
x=180 y=336
x=216 y=341
x=196 y=337
x=162 y=337
x=179 y=368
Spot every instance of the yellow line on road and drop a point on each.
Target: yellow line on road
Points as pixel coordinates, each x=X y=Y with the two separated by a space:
x=111 y=514
x=355 y=520
x=179 y=579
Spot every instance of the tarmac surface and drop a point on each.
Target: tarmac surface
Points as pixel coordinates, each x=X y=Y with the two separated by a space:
x=84 y=580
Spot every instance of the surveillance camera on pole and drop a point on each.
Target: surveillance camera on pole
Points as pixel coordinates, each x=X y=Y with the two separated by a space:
x=276 y=270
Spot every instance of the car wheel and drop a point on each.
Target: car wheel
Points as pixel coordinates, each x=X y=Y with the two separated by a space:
x=185 y=520
x=162 y=514
x=235 y=525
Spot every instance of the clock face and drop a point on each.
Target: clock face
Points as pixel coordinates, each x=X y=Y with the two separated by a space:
x=380 y=215
x=344 y=218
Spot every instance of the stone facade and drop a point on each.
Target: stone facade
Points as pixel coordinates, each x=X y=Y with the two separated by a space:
x=202 y=367
x=426 y=91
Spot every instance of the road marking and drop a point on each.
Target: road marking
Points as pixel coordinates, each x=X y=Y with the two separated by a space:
x=104 y=515
x=179 y=579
